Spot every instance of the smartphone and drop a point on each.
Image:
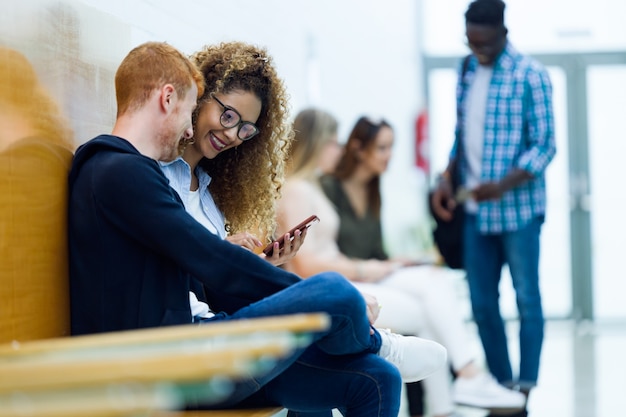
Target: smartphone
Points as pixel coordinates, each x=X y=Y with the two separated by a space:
x=305 y=224
x=462 y=195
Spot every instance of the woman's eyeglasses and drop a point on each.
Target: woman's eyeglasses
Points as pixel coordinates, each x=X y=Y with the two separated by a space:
x=231 y=118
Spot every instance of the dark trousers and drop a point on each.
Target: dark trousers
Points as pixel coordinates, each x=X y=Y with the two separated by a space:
x=415 y=398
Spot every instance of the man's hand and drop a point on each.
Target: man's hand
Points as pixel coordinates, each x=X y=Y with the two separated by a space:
x=442 y=200
x=488 y=191
x=495 y=190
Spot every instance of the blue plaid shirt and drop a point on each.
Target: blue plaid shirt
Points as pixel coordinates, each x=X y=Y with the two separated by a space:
x=519 y=133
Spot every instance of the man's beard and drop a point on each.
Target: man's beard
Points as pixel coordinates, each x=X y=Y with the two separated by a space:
x=169 y=147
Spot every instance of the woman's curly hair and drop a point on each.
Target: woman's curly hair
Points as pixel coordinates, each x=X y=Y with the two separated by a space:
x=247 y=179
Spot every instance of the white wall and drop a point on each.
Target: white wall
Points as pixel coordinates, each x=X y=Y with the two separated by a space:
x=535 y=26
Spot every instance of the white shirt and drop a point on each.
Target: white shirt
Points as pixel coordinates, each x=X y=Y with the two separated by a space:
x=194 y=207
x=473 y=139
x=201 y=206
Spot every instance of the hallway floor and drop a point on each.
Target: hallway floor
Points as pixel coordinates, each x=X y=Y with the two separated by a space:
x=582 y=373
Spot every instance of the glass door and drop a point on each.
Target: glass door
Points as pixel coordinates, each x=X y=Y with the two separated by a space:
x=606 y=110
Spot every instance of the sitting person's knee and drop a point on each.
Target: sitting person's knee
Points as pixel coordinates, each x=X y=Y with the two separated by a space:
x=334 y=292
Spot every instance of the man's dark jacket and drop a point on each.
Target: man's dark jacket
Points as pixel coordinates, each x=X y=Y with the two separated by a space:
x=134 y=249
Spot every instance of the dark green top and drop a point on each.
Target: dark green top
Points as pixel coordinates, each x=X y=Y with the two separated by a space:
x=358 y=237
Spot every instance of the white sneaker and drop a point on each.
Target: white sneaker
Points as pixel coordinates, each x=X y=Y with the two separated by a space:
x=483 y=391
x=415 y=358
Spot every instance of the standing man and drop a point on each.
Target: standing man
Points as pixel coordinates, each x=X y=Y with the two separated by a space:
x=504 y=142
x=135 y=254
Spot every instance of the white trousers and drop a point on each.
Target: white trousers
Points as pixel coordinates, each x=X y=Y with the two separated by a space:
x=422 y=301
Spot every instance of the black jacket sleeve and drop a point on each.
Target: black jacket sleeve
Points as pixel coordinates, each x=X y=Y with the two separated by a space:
x=139 y=200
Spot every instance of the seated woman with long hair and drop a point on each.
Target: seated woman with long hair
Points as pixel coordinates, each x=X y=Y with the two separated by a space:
x=416 y=300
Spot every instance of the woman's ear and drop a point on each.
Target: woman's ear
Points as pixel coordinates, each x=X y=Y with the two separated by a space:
x=355 y=147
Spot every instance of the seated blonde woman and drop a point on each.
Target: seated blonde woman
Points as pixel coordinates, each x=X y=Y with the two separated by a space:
x=416 y=299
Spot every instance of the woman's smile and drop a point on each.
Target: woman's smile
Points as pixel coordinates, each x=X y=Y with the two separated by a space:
x=216 y=142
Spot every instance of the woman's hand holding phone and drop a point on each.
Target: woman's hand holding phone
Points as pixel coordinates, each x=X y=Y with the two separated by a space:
x=290 y=236
x=281 y=255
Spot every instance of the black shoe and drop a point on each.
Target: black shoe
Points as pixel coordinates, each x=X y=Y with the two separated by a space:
x=523 y=413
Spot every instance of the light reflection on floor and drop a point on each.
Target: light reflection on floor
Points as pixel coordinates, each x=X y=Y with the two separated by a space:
x=583 y=371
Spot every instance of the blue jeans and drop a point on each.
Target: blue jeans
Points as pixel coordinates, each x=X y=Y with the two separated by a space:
x=341 y=369
x=484 y=257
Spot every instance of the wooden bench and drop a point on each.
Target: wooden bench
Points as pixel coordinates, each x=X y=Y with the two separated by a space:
x=43 y=373
x=123 y=373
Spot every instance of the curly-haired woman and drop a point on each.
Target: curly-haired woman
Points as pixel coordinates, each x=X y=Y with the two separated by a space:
x=244 y=91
